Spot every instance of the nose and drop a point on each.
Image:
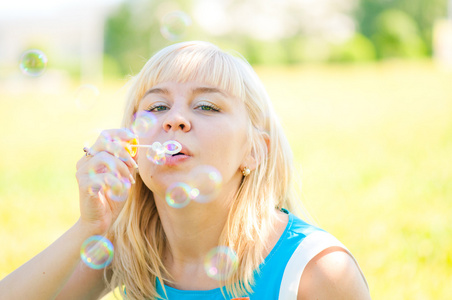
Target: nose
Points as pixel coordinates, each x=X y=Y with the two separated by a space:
x=176 y=119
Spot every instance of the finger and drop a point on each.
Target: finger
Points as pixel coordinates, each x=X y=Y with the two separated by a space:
x=81 y=162
x=117 y=189
x=105 y=162
x=95 y=184
x=119 y=149
x=111 y=186
x=116 y=135
x=115 y=141
x=121 y=133
x=84 y=159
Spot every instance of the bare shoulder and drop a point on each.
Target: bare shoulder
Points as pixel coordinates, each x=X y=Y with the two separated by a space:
x=332 y=274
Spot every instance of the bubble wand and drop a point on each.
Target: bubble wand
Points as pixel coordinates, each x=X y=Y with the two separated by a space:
x=168 y=147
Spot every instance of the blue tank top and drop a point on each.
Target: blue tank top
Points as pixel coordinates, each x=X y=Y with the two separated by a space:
x=268 y=281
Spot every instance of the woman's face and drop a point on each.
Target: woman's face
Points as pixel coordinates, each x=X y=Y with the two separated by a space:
x=211 y=126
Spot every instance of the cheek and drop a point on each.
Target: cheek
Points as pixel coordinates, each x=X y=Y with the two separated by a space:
x=230 y=147
x=146 y=169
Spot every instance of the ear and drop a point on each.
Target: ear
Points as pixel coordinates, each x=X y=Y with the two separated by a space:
x=251 y=161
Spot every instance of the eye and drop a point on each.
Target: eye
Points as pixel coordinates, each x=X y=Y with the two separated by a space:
x=208 y=107
x=157 y=108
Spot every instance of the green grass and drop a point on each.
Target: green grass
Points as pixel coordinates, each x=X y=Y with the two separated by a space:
x=373 y=144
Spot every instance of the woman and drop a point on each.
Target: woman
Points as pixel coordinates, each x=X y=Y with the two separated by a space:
x=215 y=107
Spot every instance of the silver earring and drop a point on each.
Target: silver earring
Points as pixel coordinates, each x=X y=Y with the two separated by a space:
x=246 y=171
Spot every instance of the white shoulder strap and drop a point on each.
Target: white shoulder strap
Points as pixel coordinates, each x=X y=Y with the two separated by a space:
x=312 y=245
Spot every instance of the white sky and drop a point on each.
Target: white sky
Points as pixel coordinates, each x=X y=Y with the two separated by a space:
x=12 y=8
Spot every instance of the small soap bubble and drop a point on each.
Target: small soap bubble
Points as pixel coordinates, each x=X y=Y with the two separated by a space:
x=86 y=96
x=220 y=263
x=115 y=145
x=97 y=252
x=144 y=121
x=172 y=147
x=104 y=177
x=207 y=180
x=156 y=146
x=114 y=148
x=117 y=187
x=93 y=189
x=33 y=62
x=178 y=195
x=158 y=157
x=174 y=25
x=96 y=184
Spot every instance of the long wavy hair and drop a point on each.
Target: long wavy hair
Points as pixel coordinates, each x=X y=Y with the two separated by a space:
x=138 y=235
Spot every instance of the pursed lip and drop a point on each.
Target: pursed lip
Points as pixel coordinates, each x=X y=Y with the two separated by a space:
x=173 y=160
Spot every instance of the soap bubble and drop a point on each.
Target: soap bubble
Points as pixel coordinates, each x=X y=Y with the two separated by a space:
x=33 y=62
x=96 y=183
x=97 y=252
x=179 y=194
x=157 y=156
x=144 y=121
x=104 y=177
x=174 y=25
x=117 y=187
x=220 y=263
x=116 y=145
x=156 y=146
x=86 y=96
x=172 y=147
x=207 y=180
x=95 y=186
x=113 y=147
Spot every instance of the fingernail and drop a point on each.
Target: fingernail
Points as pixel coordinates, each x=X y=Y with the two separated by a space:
x=134 y=163
x=132 y=180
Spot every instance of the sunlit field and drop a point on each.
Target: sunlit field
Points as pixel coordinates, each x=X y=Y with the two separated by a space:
x=372 y=144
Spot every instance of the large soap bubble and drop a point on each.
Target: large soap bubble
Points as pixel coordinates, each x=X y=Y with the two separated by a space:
x=97 y=252
x=174 y=25
x=220 y=263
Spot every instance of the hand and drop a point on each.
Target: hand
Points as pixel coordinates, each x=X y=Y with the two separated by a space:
x=104 y=176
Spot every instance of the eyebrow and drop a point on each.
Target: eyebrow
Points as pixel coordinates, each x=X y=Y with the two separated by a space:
x=195 y=91
x=157 y=91
x=208 y=90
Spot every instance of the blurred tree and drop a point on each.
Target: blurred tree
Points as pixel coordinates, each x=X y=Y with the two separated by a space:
x=124 y=42
x=132 y=33
x=278 y=31
x=357 y=49
x=397 y=35
x=371 y=19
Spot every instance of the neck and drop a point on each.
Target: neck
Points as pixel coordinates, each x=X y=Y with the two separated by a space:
x=193 y=230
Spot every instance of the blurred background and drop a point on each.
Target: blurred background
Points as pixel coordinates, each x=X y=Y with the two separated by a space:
x=362 y=87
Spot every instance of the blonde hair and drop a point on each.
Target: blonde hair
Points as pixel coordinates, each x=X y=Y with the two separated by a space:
x=139 y=237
